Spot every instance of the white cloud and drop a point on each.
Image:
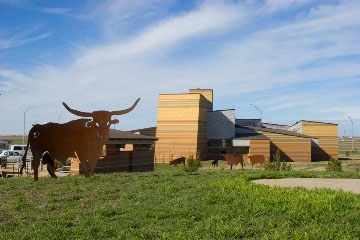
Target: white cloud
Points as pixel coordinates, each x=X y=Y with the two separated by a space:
x=274 y=5
x=159 y=36
x=56 y=11
x=112 y=75
x=22 y=37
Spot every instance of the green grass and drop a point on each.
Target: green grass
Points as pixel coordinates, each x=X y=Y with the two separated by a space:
x=170 y=204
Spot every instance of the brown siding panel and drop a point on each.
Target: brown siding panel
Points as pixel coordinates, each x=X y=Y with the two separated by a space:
x=181 y=126
x=328 y=139
x=260 y=147
x=292 y=148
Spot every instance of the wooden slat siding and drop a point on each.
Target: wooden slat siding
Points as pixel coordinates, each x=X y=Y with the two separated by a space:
x=143 y=160
x=208 y=95
x=328 y=139
x=260 y=147
x=296 y=149
x=118 y=161
x=181 y=126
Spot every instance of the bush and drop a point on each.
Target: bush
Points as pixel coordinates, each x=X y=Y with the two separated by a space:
x=192 y=164
x=277 y=164
x=347 y=153
x=334 y=165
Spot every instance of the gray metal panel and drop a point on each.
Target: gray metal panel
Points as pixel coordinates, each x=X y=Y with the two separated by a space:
x=221 y=124
x=241 y=143
x=277 y=126
x=248 y=122
x=245 y=131
x=297 y=127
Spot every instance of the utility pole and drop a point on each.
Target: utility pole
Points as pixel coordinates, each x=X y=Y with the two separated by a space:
x=352 y=134
x=257 y=110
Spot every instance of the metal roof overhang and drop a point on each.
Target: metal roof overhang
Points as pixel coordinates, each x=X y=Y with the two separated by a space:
x=130 y=141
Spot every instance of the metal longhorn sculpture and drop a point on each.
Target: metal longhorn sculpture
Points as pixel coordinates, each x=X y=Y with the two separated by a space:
x=82 y=138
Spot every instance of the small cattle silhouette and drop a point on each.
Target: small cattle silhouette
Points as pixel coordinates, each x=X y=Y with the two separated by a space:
x=232 y=159
x=177 y=161
x=215 y=163
x=257 y=159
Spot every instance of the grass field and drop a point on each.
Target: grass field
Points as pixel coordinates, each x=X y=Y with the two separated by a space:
x=170 y=204
x=15 y=139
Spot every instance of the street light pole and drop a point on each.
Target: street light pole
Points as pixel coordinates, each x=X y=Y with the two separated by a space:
x=352 y=134
x=27 y=109
x=59 y=118
x=257 y=110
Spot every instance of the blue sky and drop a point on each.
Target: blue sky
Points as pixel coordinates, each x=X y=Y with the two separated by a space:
x=294 y=59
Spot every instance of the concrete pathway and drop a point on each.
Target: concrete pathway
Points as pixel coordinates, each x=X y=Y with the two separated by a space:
x=348 y=185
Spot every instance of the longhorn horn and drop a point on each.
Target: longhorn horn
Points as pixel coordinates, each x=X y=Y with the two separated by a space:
x=125 y=110
x=76 y=112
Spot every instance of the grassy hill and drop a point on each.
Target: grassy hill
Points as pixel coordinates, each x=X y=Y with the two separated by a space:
x=16 y=139
x=171 y=204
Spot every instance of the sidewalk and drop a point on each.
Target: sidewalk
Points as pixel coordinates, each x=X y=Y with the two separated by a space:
x=347 y=185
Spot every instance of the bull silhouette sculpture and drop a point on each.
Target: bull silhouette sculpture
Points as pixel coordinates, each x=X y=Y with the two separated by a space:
x=81 y=138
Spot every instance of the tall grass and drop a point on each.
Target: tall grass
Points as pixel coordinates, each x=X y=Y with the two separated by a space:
x=170 y=204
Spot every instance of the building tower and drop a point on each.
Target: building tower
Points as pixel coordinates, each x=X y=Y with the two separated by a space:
x=182 y=124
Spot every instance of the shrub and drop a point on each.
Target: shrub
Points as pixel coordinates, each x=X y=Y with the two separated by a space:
x=277 y=164
x=334 y=165
x=347 y=153
x=192 y=164
x=285 y=166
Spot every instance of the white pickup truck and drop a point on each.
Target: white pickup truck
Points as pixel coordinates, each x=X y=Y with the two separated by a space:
x=20 y=149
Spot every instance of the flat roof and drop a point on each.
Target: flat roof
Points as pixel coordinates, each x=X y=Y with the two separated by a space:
x=278 y=131
x=252 y=137
x=222 y=110
x=124 y=135
x=143 y=129
x=314 y=122
x=283 y=125
x=248 y=119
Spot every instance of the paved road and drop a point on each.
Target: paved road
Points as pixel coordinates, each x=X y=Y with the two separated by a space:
x=348 y=185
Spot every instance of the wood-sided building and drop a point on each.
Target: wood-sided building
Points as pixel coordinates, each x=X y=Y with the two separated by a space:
x=293 y=146
x=182 y=124
x=188 y=125
x=124 y=152
x=327 y=134
x=256 y=144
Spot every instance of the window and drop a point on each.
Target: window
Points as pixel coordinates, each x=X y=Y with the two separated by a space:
x=11 y=153
x=241 y=150
x=18 y=148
